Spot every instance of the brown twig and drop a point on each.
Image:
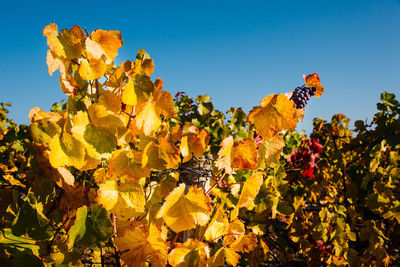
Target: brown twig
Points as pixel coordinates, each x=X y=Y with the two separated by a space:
x=74 y=61
x=97 y=90
x=56 y=233
x=173 y=241
x=228 y=184
x=221 y=236
x=132 y=115
x=87 y=33
x=102 y=257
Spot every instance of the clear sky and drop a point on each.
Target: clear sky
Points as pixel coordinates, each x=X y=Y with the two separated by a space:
x=237 y=52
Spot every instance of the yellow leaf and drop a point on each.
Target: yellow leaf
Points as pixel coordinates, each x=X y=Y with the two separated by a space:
x=127 y=163
x=224 y=155
x=141 y=244
x=111 y=101
x=183 y=212
x=270 y=151
x=72 y=40
x=245 y=154
x=192 y=253
x=222 y=254
x=249 y=192
x=148 y=120
x=145 y=66
x=128 y=95
x=107 y=194
x=184 y=148
x=66 y=151
x=275 y=114
x=109 y=41
x=51 y=32
x=45 y=126
x=131 y=200
x=165 y=104
x=106 y=120
x=68 y=84
x=116 y=77
x=193 y=142
x=93 y=49
x=92 y=70
x=245 y=243
x=68 y=44
x=217 y=226
x=162 y=156
x=55 y=63
x=100 y=175
x=66 y=175
x=234 y=231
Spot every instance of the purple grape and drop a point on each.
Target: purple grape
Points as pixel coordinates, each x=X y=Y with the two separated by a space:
x=301 y=95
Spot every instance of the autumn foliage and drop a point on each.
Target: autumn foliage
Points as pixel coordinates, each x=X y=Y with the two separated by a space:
x=103 y=178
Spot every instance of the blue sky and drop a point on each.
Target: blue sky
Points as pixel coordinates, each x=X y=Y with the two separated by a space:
x=237 y=52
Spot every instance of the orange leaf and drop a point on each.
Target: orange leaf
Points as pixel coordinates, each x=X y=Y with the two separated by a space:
x=245 y=154
x=192 y=253
x=92 y=70
x=109 y=41
x=224 y=155
x=141 y=243
x=275 y=114
x=127 y=163
x=194 y=142
x=183 y=212
x=224 y=253
x=313 y=80
x=245 y=243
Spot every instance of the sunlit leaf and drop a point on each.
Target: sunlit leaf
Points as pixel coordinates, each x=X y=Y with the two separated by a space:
x=142 y=243
x=249 y=192
x=92 y=69
x=78 y=229
x=183 y=212
x=66 y=150
x=313 y=80
x=109 y=41
x=224 y=254
x=275 y=114
x=192 y=253
x=127 y=163
x=128 y=95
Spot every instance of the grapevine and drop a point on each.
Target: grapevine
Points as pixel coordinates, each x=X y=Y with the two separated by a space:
x=125 y=174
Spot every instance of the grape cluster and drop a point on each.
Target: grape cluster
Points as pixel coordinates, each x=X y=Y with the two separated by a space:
x=301 y=95
x=306 y=156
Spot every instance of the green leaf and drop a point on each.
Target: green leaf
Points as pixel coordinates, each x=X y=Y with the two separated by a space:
x=102 y=142
x=20 y=243
x=98 y=228
x=30 y=220
x=78 y=230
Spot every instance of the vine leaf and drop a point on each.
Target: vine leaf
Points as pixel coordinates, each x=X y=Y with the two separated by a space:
x=92 y=69
x=249 y=192
x=270 y=151
x=191 y=253
x=66 y=150
x=183 y=212
x=77 y=231
x=275 y=114
x=129 y=96
x=313 y=80
x=142 y=243
x=109 y=41
x=222 y=254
